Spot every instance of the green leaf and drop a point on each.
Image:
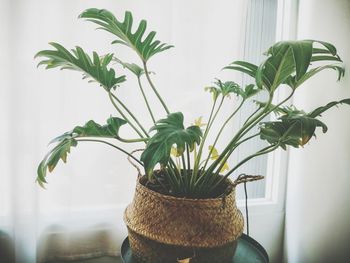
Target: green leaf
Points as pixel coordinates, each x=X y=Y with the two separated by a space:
x=69 y=139
x=229 y=87
x=292 y=130
x=50 y=161
x=134 y=68
x=169 y=131
x=318 y=111
x=143 y=44
x=276 y=68
x=94 y=68
x=295 y=127
x=93 y=129
x=288 y=63
x=244 y=67
x=225 y=89
x=314 y=71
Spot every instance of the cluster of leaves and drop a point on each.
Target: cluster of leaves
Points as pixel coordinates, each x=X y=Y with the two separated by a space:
x=185 y=169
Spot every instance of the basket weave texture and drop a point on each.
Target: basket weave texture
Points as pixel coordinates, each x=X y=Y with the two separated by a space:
x=200 y=223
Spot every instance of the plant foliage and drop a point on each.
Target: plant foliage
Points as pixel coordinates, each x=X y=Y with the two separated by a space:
x=70 y=139
x=187 y=163
x=143 y=44
x=169 y=131
x=94 y=68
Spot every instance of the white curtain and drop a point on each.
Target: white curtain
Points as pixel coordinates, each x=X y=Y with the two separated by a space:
x=79 y=215
x=317 y=207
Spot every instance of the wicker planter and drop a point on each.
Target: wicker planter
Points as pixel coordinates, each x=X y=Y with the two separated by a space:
x=164 y=229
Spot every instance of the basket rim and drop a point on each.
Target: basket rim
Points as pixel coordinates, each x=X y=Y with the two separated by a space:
x=184 y=199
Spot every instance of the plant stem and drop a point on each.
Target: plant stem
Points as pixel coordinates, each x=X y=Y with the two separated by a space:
x=114 y=146
x=230 y=152
x=131 y=140
x=263 y=151
x=130 y=113
x=198 y=155
x=207 y=180
x=221 y=130
x=245 y=128
x=251 y=115
x=124 y=116
x=154 y=88
x=145 y=99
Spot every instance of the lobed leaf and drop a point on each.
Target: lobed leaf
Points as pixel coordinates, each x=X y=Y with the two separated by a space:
x=69 y=139
x=295 y=127
x=289 y=63
x=94 y=68
x=143 y=44
x=169 y=131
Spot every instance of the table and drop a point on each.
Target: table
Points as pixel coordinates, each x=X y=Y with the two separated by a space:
x=248 y=251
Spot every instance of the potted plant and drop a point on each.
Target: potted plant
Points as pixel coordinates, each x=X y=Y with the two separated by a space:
x=184 y=204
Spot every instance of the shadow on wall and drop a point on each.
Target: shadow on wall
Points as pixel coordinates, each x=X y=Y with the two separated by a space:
x=7 y=252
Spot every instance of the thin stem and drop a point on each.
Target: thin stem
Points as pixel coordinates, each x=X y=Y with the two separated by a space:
x=230 y=152
x=123 y=115
x=245 y=128
x=263 y=151
x=203 y=180
x=251 y=115
x=132 y=140
x=188 y=159
x=145 y=99
x=130 y=113
x=172 y=166
x=154 y=88
x=114 y=146
x=198 y=155
x=220 y=131
x=184 y=171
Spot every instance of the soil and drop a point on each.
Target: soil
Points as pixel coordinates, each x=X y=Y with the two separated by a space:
x=161 y=186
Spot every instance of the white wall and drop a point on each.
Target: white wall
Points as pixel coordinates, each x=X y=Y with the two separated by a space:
x=318 y=199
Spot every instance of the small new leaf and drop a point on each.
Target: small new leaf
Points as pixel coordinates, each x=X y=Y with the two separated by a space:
x=132 y=67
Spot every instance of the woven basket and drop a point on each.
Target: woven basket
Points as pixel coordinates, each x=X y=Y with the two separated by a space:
x=164 y=229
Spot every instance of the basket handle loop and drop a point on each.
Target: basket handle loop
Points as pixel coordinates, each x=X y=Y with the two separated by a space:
x=244 y=178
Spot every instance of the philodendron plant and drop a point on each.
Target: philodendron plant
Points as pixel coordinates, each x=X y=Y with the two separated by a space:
x=178 y=160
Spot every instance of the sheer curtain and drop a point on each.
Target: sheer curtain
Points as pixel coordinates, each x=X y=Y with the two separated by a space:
x=79 y=215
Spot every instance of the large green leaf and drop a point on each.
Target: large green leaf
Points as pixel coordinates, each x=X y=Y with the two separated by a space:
x=143 y=44
x=244 y=67
x=169 y=131
x=276 y=68
x=69 y=139
x=59 y=152
x=288 y=62
x=318 y=111
x=314 y=71
x=95 y=68
x=93 y=129
x=294 y=131
x=295 y=127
